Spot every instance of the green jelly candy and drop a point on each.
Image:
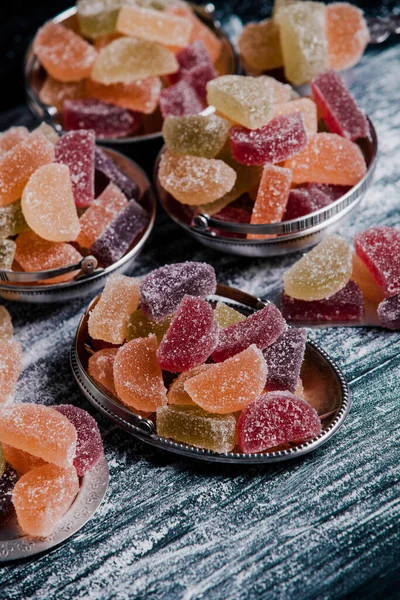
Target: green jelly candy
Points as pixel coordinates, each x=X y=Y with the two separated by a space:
x=12 y=220
x=139 y=326
x=99 y=17
x=227 y=316
x=198 y=135
x=7 y=253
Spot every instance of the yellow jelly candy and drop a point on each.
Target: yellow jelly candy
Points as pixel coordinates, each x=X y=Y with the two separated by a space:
x=260 y=47
x=140 y=326
x=198 y=135
x=6 y=327
x=98 y=18
x=154 y=25
x=226 y=316
x=306 y=107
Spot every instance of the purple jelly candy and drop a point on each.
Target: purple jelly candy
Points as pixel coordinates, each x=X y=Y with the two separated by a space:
x=162 y=290
x=107 y=120
x=284 y=359
x=283 y=137
x=389 y=312
x=339 y=109
x=302 y=202
x=89 y=445
x=233 y=214
x=346 y=305
x=117 y=237
x=196 y=68
x=179 y=100
x=7 y=484
x=76 y=150
x=112 y=172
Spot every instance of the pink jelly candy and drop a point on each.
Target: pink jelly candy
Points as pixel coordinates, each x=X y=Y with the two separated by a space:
x=389 y=312
x=379 y=249
x=179 y=100
x=107 y=120
x=195 y=67
x=76 y=150
x=7 y=483
x=274 y=419
x=261 y=328
x=191 y=337
x=111 y=171
x=284 y=359
x=279 y=140
x=162 y=290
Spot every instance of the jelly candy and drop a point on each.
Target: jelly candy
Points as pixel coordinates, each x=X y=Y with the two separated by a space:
x=120 y=234
x=176 y=392
x=65 y=55
x=127 y=59
x=198 y=135
x=6 y=327
x=303 y=40
x=39 y=430
x=7 y=253
x=195 y=67
x=98 y=18
x=274 y=419
x=193 y=179
x=191 y=425
x=322 y=272
x=89 y=446
x=10 y=368
x=53 y=92
x=49 y=132
x=108 y=321
x=42 y=497
x=76 y=150
x=338 y=107
x=278 y=4
x=8 y=479
x=100 y=214
x=346 y=305
x=303 y=201
x=284 y=359
x=157 y=26
x=389 y=312
x=137 y=375
x=162 y=290
x=191 y=337
x=18 y=164
x=227 y=316
x=140 y=326
x=328 y=158
x=306 y=107
x=179 y=100
x=233 y=214
x=21 y=461
x=141 y=95
x=379 y=249
x=245 y=100
x=272 y=197
x=100 y=368
x=281 y=92
x=230 y=385
x=280 y=139
x=11 y=137
x=260 y=46
x=114 y=173
x=200 y=32
x=370 y=288
x=48 y=204
x=347 y=34
x=106 y=120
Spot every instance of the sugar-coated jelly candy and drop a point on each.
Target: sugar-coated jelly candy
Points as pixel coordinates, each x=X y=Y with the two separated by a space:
x=98 y=18
x=8 y=480
x=191 y=337
x=162 y=290
x=76 y=150
x=389 y=312
x=2 y=461
x=198 y=135
x=370 y=288
x=347 y=34
x=278 y=4
x=101 y=368
x=303 y=40
x=281 y=92
x=10 y=367
x=139 y=325
x=322 y=272
x=54 y=92
x=338 y=107
x=334 y=192
x=108 y=321
x=39 y=430
x=195 y=68
x=227 y=316
x=245 y=100
x=347 y=305
x=306 y=107
x=65 y=55
x=179 y=100
x=176 y=392
x=18 y=164
x=6 y=327
x=141 y=95
x=11 y=137
x=260 y=46
x=12 y=220
x=137 y=375
x=154 y=25
x=235 y=214
x=328 y=158
x=106 y=120
x=200 y=32
x=302 y=202
x=231 y=385
x=272 y=197
x=21 y=461
x=43 y=496
x=194 y=426
x=379 y=249
x=89 y=445
x=284 y=359
x=49 y=132
x=7 y=254
x=193 y=179
x=114 y=173
x=274 y=419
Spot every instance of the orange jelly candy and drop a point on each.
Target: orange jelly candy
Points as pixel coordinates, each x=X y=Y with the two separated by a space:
x=10 y=367
x=137 y=375
x=65 y=55
x=42 y=497
x=21 y=461
x=54 y=92
x=176 y=393
x=231 y=385
x=347 y=34
x=154 y=25
x=141 y=95
x=306 y=107
x=6 y=326
x=272 y=197
x=370 y=288
x=12 y=137
x=101 y=368
x=260 y=47
x=39 y=430
x=200 y=31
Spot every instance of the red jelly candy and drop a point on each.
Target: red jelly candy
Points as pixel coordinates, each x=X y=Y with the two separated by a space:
x=76 y=150
x=379 y=249
x=261 y=328
x=389 y=312
x=7 y=483
x=274 y=419
x=284 y=359
x=191 y=337
x=196 y=68
x=179 y=100
x=233 y=214
x=107 y=120
x=303 y=201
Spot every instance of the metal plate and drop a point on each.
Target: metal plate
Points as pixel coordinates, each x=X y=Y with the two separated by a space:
x=323 y=382
x=14 y=545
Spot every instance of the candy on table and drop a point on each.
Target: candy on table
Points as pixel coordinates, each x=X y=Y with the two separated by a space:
x=141 y=95
x=76 y=150
x=48 y=204
x=154 y=25
x=140 y=326
x=98 y=18
x=42 y=497
x=162 y=290
x=106 y=120
x=198 y=135
x=7 y=254
x=321 y=273
x=54 y=92
x=108 y=321
x=176 y=392
x=101 y=368
x=305 y=200
x=276 y=418
x=379 y=249
x=370 y=288
x=328 y=158
x=8 y=479
x=226 y=316
x=6 y=326
x=10 y=368
x=306 y=107
x=347 y=34
x=65 y=55
x=303 y=40
x=179 y=100
x=200 y=31
x=260 y=46
x=338 y=107
x=284 y=359
x=194 y=426
x=114 y=173
x=389 y=312
x=19 y=163
x=11 y=137
x=137 y=375
x=2 y=461
x=39 y=430
x=195 y=180
x=231 y=385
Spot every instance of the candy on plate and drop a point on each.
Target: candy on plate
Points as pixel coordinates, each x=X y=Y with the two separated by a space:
x=260 y=46
x=76 y=150
x=141 y=95
x=7 y=254
x=139 y=325
x=6 y=326
x=284 y=359
x=198 y=135
x=106 y=120
x=101 y=368
x=179 y=100
x=226 y=315
x=176 y=392
x=347 y=34
x=10 y=368
x=12 y=220
x=54 y=92
x=154 y=25
x=272 y=197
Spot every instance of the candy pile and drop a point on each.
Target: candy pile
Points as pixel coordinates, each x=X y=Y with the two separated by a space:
x=333 y=284
x=126 y=60
x=214 y=378
x=63 y=198
x=306 y=39
x=262 y=152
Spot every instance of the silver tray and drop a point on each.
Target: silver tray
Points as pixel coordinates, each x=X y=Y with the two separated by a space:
x=14 y=285
x=14 y=545
x=35 y=75
x=320 y=375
